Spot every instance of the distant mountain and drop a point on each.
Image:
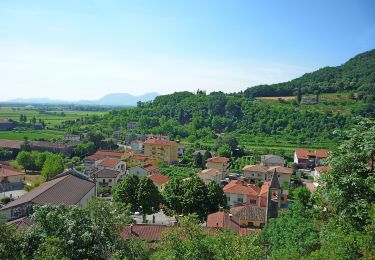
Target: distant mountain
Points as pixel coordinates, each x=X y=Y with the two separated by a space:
x=113 y=99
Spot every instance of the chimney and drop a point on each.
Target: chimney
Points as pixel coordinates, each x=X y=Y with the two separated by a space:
x=230 y=215
x=131 y=228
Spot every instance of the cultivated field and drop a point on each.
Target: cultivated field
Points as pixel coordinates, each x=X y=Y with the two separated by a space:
x=51 y=118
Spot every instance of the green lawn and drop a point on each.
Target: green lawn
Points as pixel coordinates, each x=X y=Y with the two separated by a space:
x=31 y=134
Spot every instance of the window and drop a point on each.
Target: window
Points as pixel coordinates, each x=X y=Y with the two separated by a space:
x=110 y=180
x=240 y=198
x=253 y=202
x=228 y=198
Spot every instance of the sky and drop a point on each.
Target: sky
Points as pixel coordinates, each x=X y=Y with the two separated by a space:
x=85 y=49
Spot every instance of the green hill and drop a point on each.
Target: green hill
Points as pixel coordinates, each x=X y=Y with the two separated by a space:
x=356 y=75
x=276 y=123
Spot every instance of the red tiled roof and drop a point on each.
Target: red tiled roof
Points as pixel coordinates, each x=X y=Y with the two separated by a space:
x=150 y=167
x=6 y=171
x=93 y=158
x=106 y=173
x=304 y=153
x=310 y=186
x=255 y=168
x=223 y=160
x=144 y=232
x=109 y=162
x=321 y=153
x=211 y=172
x=11 y=144
x=237 y=187
x=138 y=157
x=158 y=178
x=112 y=154
x=280 y=169
x=225 y=221
x=323 y=168
x=160 y=142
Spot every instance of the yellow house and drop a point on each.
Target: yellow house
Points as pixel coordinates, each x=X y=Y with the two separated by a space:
x=218 y=163
x=163 y=150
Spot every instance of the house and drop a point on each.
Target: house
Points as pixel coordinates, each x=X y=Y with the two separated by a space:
x=255 y=173
x=250 y=216
x=131 y=125
x=309 y=100
x=107 y=178
x=65 y=149
x=272 y=160
x=159 y=180
x=137 y=170
x=67 y=188
x=319 y=170
x=137 y=146
x=90 y=162
x=151 y=168
x=72 y=138
x=238 y=192
x=219 y=163
x=6 y=125
x=209 y=175
x=138 y=160
x=112 y=164
x=304 y=158
x=148 y=232
x=259 y=173
x=225 y=221
x=166 y=151
x=10 y=178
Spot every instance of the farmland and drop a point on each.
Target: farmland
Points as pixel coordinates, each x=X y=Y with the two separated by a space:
x=52 y=118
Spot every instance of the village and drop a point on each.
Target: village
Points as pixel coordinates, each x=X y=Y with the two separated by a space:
x=253 y=196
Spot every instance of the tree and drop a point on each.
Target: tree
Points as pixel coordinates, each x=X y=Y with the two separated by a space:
x=350 y=184
x=195 y=197
x=126 y=191
x=299 y=95
x=224 y=151
x=9 y=241
x=292 y=234
x=52 y=166
x=215 y=197
x=41 y=159
x=173 y=195
x=198 y=160
x=25 y=160
x=148 y=196
x=302 y=194
x=206 y=155
x=60 y=232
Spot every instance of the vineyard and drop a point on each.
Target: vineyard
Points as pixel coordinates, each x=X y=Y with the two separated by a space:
x=238 y=163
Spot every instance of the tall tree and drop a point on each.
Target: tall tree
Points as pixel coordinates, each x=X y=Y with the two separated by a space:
x=149 y=197
x=126 y=191
x=52 y=166
x=215 y=197
x=350 y=184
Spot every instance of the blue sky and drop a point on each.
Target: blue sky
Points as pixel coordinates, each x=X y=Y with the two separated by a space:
x=85 y=49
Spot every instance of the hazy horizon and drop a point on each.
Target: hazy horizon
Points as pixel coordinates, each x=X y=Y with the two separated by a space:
x=85 y=50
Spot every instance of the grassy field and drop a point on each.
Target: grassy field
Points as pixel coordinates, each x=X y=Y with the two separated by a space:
x=328 y=102
x=32 y=134
x=51 y=118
